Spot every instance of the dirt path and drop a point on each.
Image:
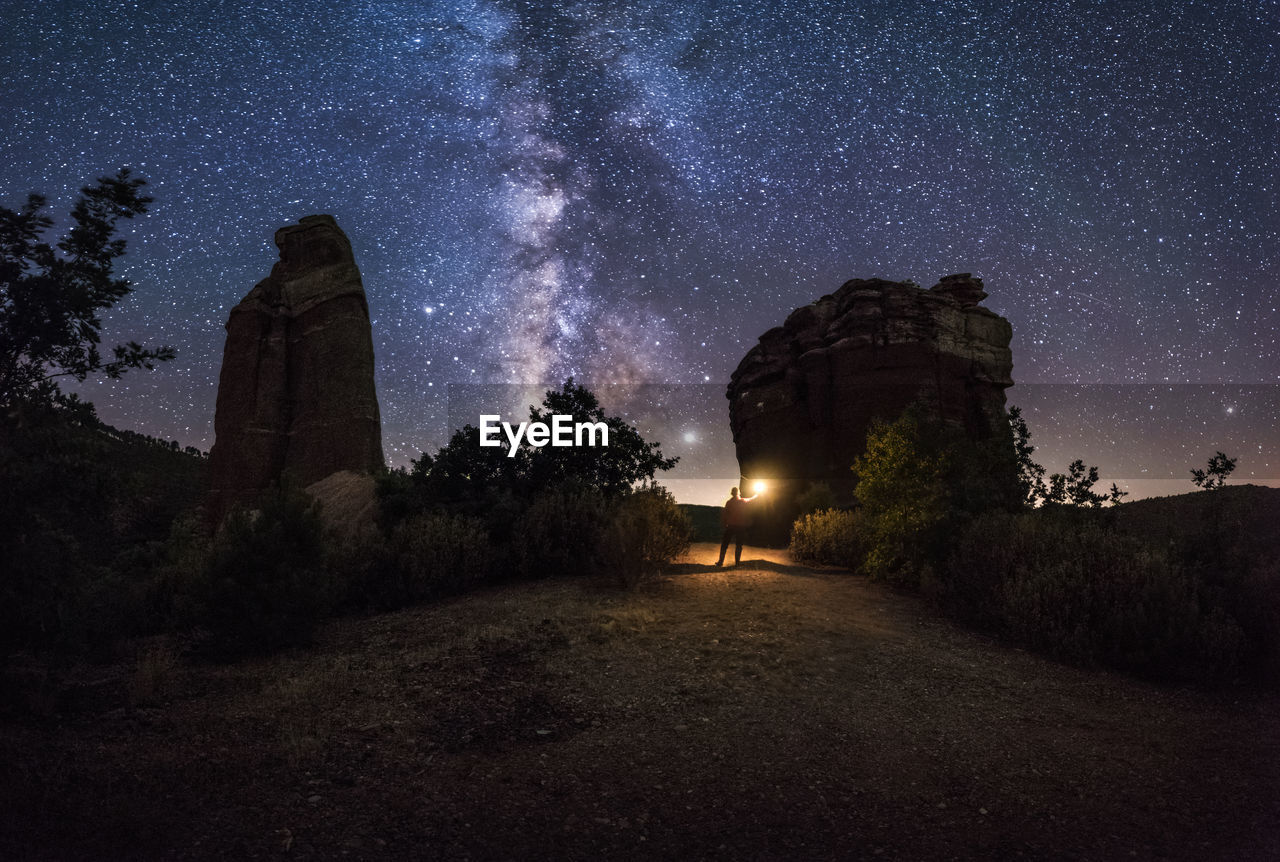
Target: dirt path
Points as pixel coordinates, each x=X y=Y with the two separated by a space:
x=768 y=711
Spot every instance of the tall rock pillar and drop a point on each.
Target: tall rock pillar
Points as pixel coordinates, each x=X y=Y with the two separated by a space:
x=296 y=393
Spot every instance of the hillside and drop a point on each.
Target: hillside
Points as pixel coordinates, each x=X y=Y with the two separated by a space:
x=111 y=488
x=1248 y=515
x=82 y=508
x=769 y=711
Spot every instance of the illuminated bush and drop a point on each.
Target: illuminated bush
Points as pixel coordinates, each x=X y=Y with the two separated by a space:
x=832 y=536
x=646 y=531
x=904 y=496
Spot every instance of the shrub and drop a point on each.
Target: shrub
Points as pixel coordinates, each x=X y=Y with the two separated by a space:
x=561 y=533
x=431 y=555
x=119 y=601
x=920 y=477
x=646 y=531
x=1072 y=587
x=832 y=536
x=904 y=496
x=264 y=584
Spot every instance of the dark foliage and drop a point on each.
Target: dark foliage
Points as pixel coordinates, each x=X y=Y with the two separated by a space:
x=468 y=478
x=705 y=521
x=79 y=501
x=546 y=510
x=1075 y=487
x=264 y=583
x=434 y=554
x=611 y=470
x=1166 y=589
x=917 y=480
x=83 y=509
x=561 y=532
x=816 y=497
x=1030 y=474
x=1215 y=474
x=1090 y=590
x=51 y=296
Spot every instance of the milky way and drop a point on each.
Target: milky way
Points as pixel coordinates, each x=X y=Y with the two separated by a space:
x=634 y=192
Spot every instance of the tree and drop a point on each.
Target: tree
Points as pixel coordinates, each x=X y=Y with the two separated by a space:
x=469 y=478
x=1075 y=487
x=611 y=470
x=51 y=296
x=903 y=492
x=1030 y=474
x=920 y=476
x=1215 y=475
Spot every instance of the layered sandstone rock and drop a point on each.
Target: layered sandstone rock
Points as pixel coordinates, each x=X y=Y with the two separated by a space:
x=296 y=393
x=802 y=399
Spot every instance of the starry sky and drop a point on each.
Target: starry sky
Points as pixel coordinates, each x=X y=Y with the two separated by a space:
x=634 y=192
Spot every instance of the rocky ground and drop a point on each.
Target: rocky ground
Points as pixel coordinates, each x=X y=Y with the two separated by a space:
x=769 y=711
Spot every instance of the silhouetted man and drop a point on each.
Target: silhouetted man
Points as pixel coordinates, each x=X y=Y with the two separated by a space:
x=735 y=519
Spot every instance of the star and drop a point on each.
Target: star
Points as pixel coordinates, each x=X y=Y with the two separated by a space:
x=634 y=192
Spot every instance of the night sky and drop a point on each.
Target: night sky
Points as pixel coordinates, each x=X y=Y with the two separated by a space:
x=635 y=192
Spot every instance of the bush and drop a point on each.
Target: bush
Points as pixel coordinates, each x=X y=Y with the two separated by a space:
x=431 y=555
x=264 y=584
x=919 y=479
x=646 y=531
x=833 y=537
x=561 y=533
x=1076 y=589
x=904 y=495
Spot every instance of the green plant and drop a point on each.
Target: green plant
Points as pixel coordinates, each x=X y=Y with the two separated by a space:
x=646 y=531
x=561 y=532
x=51 y=296
x=1030 y=474
x=84 y=511
x=611 y=470
x=471 y=479
x=1067 y=584
x=831 y=536
x=1075 y=487
x=904 y=496
x=431 y=555
x=264 y=584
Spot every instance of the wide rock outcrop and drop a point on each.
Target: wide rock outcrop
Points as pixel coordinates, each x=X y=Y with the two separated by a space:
x=296 y=393
x=801 y=400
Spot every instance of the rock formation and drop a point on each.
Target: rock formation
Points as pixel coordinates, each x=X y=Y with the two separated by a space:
x=801 y=400
x=296 y=393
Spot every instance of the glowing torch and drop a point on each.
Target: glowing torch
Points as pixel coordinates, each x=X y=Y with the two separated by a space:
x=758 y=486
